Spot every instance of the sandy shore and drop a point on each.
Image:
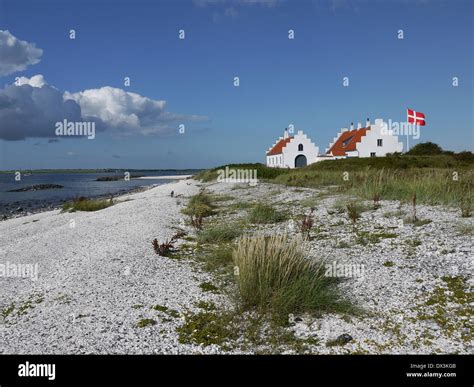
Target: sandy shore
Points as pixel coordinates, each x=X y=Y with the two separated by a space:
x=97 y=277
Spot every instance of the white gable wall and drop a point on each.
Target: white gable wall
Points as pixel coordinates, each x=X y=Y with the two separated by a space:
x=368 y=143
x=290 y=151
x=286 y=159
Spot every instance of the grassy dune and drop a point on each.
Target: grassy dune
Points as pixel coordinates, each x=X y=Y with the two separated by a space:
x=443 y=179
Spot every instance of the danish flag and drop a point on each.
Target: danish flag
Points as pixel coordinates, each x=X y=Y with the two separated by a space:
x=416 y=118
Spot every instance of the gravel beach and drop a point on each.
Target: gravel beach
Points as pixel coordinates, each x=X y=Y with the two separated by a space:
x=98 y=276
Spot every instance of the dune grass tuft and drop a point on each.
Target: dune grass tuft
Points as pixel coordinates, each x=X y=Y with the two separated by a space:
x=275 y=276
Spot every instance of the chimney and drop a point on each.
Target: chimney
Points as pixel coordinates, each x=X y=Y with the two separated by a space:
x=352 y=126
x=359 y=125
x=285 y=135
x=367 y=124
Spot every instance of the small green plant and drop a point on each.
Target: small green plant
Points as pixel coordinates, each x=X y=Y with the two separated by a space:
x=208 y=287
x=365 y=237
x=206 y=305
x=145 y=322
x=164 y=309
x=264 y=213
x=8 y=310
x=388 y=264
x=413 y=242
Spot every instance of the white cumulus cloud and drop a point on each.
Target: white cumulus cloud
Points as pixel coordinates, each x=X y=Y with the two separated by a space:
x=128 y=113
x=15 y=54
x=31 y=107
x=34 y=81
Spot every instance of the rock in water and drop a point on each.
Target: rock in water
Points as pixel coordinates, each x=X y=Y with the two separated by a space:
x=36 y=187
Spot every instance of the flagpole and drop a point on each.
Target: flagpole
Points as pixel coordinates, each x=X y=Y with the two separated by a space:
x=408 y=145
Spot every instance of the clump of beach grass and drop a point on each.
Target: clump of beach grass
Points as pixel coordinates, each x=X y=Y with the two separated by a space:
x=85 y=204
x=219 y=233
x=275 y=276
x=263 y=213
x=199 y=207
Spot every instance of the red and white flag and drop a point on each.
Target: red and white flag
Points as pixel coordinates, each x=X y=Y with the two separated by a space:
x=416 y=118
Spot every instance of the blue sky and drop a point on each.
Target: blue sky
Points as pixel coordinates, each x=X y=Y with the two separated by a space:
x=282 y=81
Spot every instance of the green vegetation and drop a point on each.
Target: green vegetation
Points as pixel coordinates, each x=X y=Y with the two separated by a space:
x=263 y=213
x=416 y=222
x=395 y=177
x=208 y=287
x=263 y=172
x=164 y=309
x=85 y=204
x=7 y=311
x=146 y=322
x=365 y=237
x=425 y=148
x=275 y=276
x=388 y=264
x=220 y=233
x=449 y=306
x=206 y=305
x=237 y=329
x=217 y=259
x=199 y=205
x=241 y=205
x=207 y=328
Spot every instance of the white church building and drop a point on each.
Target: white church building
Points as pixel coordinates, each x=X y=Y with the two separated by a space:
x=373 y=140
x=292 y=151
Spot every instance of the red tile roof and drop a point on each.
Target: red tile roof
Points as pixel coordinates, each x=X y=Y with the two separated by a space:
x=347 y=141
x=278 y=148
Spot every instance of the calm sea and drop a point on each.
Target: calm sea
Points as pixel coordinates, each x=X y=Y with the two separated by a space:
x=75 y=185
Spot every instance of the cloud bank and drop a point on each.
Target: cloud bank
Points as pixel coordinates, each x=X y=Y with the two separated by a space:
x=30 y=108
x=15 y=54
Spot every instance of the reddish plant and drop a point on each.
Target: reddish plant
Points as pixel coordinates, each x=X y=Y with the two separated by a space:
x=307 y=223
x=376 y=200
x=167 y=247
